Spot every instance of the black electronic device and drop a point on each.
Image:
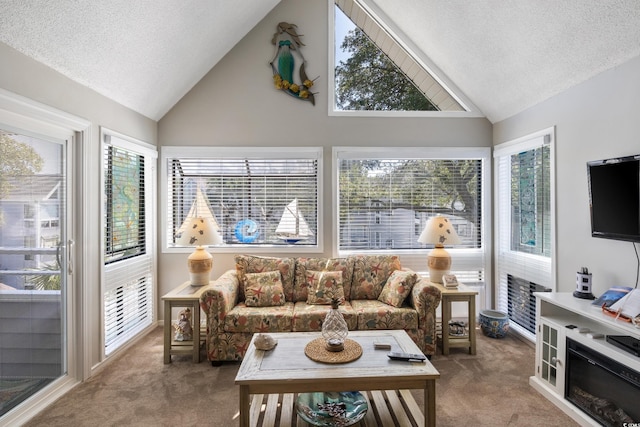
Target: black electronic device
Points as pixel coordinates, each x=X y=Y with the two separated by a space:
x=407 y=357
x=614 y=198
x=625 y=342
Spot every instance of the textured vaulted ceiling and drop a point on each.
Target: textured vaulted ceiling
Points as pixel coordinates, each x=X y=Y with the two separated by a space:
x=508 y=55
x=144 y=54
x=504 y=55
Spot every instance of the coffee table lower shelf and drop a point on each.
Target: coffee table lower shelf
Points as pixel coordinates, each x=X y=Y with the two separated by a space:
x=386 y=408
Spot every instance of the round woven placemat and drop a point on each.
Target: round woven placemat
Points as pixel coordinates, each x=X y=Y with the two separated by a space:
x=315 y=350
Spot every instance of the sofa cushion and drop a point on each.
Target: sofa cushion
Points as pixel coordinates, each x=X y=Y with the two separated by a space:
x=264 y=289
x=259 y=319
x=370 y=273
x=256 y=264
x=308 y=318
x=321 y=264
x=374 y=314
x=398 y=287
x=324 y=286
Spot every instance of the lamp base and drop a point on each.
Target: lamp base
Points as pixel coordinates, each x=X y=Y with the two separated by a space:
x=200 y=263
x=439 y=263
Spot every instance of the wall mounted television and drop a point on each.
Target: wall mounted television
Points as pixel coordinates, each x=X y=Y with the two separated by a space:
x=614 y=198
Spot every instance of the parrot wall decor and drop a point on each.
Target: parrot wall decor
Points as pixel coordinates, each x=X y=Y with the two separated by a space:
x=288 y=55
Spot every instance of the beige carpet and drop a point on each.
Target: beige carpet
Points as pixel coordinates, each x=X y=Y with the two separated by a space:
x=137 y=389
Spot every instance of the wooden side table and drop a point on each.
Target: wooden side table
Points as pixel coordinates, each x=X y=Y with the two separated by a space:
x=465 y=294
x=184 y=295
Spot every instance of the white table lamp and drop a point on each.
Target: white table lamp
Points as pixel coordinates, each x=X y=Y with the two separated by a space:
x=439 y=232
x=199 y=232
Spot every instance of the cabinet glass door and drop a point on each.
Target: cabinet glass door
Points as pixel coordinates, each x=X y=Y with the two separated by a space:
x=549 y=354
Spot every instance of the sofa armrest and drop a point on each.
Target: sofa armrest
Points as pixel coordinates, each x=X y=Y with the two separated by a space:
x=220 y=297
x=425 y=299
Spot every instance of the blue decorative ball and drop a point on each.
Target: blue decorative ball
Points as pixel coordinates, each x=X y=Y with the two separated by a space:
x=247 y=231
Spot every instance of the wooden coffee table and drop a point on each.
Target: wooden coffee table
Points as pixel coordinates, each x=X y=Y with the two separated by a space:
x=286 y=369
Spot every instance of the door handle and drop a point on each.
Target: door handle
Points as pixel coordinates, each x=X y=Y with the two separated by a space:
x=70 y=256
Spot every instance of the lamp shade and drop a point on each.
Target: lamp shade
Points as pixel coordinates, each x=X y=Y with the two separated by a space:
x=198 y=231
x=439 y=231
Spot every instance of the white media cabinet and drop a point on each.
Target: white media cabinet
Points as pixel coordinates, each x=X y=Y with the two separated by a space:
x=556 y=310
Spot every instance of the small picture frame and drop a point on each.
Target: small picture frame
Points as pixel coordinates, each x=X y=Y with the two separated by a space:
x=450 y=280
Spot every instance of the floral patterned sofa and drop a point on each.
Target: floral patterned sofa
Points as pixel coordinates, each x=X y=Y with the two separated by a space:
x=266 y=294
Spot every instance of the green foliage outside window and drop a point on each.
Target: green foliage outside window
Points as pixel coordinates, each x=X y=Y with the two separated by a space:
x=17 y=160
x=369 y=80
x=427 y=186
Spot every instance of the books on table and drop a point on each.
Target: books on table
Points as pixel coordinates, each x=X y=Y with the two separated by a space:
x=611 y=296
x=628 y=305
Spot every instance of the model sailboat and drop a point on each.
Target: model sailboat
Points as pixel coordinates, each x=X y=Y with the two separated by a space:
x=199 y=208
x=293 y=227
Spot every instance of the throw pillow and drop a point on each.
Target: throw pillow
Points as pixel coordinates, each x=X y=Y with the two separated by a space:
x=397 y=288
x=324 y=286
x=255 y=264
x=301 y=285
x=370 y=273
x=264 y=289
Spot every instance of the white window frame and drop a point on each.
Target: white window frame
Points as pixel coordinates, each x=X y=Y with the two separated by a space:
x=144 y=264
x=464 y=259
x=420 y=58
x=535 y=268
x=169 y=152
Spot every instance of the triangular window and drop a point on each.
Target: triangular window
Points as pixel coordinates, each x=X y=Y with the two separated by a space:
x=373 y=72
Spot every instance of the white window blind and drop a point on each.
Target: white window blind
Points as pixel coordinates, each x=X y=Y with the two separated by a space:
x=386 y=197
x=129 y=223
x=128 y=300
x=525 y=226
x=267 y=199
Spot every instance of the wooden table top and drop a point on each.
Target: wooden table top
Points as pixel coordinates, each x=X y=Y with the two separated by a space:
x=287 y=363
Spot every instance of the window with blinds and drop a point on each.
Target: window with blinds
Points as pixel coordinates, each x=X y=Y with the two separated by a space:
x=125 y=208
x=530 y=204
x=525 y=223
x=258 y=197
x=129 y=224
x=386 y=197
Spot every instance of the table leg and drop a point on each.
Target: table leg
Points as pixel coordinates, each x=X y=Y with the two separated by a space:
x=244 y=406
x=472 y=324
x=446 y=316
x=196 y=332
x=167 y=332
x=430 y=403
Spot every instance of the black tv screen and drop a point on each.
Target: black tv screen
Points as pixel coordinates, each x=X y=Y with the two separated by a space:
x=614 y=198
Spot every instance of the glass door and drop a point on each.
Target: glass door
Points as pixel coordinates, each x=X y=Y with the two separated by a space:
x=34 y=264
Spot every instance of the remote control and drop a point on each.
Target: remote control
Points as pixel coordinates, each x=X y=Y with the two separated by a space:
x=407 y=356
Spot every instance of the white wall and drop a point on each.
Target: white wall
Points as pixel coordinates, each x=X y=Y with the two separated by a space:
x=595 y=120
x=235 y=104
x=28 y=78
